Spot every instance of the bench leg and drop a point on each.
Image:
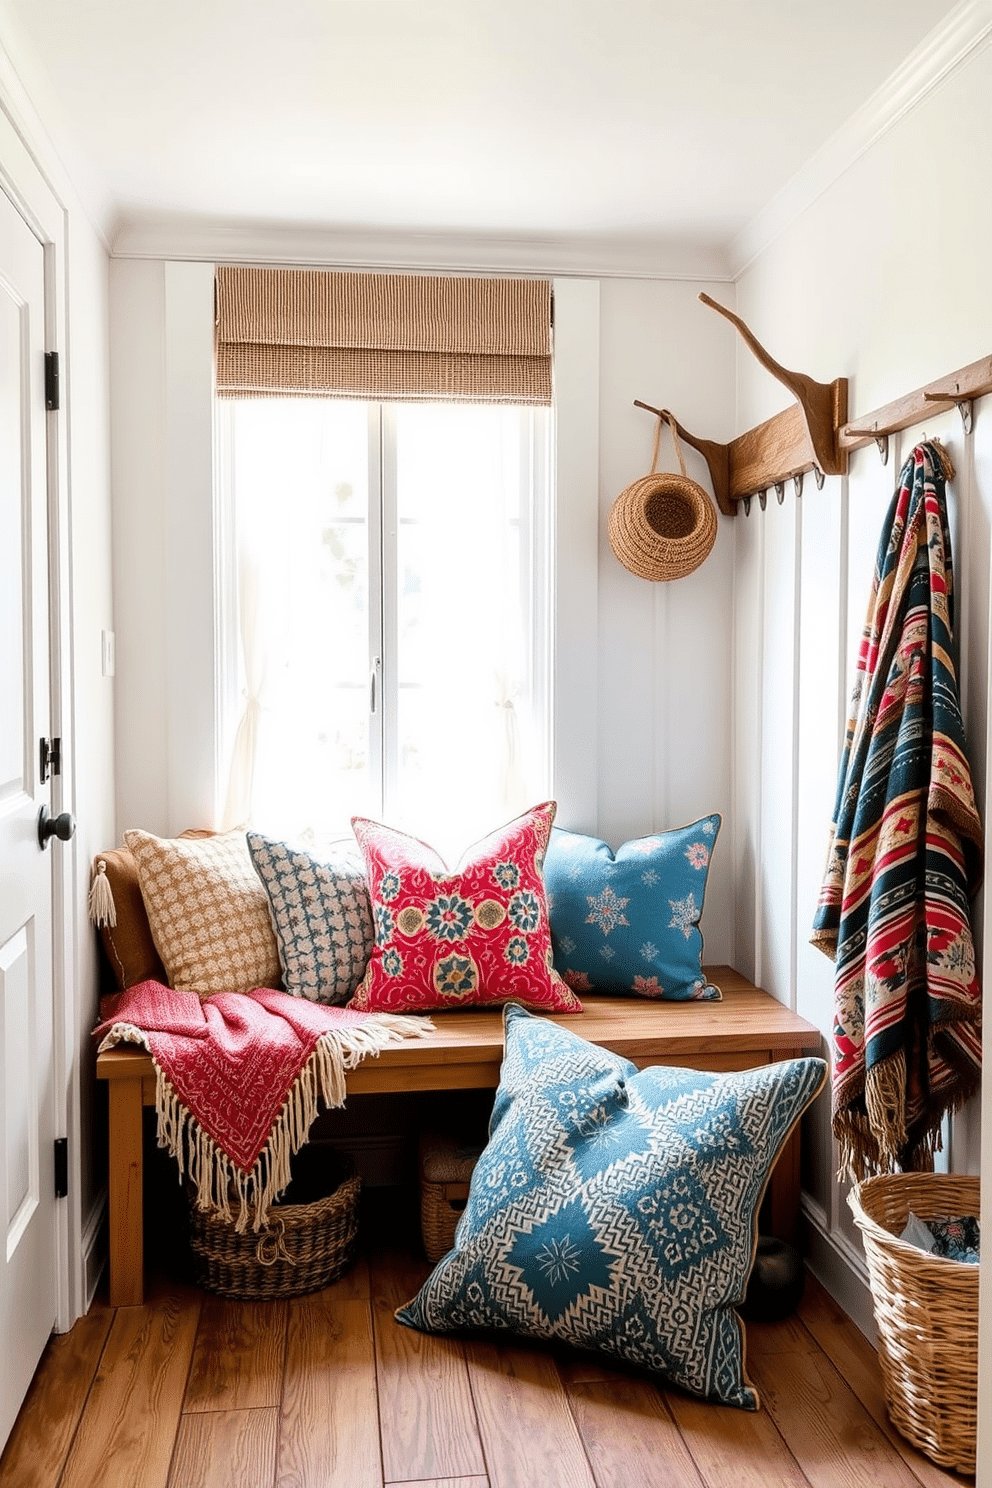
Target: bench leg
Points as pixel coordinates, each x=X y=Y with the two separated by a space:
x=783 y=1191
x=127 y=1259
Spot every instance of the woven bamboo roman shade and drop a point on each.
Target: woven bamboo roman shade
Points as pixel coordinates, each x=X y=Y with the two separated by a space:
x=382 y=337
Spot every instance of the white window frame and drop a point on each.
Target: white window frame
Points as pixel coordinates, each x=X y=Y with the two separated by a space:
x=383 y=578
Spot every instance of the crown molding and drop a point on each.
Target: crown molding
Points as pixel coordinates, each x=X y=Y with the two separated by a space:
x=28 y=104
x=965 y=30
x=578 y=256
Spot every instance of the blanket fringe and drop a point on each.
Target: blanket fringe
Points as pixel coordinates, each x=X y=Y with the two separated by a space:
x=220 y=1185
x=885 y=1102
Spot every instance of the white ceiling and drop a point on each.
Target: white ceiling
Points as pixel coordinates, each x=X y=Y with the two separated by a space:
x=645 y=121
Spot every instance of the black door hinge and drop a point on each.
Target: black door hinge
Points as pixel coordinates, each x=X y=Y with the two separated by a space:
x=61 y=1167
x=51 y=380
x=49 y=758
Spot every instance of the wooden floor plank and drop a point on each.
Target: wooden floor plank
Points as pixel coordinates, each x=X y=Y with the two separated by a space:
x=630 y=1436
x=129 y=1425
x=832 y=1436
x=329 y=1425
x=774 y=1338
x=440 y=1483
x=226 y=1449
x=105 y=1410
x=426 y=1412
x=39 y=1442
x=528 y=1434
x=856 y=1360
x=734 y=1448
x=239 y=1356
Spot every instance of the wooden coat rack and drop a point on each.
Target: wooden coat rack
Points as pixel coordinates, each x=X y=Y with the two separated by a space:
x=814 y=432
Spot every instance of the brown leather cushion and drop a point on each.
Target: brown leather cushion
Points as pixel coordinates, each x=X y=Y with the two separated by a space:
x=129 y=946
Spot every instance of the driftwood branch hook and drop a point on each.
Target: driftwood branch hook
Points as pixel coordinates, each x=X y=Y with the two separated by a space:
x=823 y=404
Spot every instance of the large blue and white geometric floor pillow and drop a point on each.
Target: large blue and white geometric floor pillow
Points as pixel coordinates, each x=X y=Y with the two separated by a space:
x=616 y=1208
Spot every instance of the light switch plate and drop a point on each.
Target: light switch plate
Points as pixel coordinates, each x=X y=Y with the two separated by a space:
x=107 y=649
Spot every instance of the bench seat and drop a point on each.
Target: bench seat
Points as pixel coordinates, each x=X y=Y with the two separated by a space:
x=748 y=1028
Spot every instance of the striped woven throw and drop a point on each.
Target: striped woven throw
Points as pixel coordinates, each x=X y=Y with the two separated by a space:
x=905 y=856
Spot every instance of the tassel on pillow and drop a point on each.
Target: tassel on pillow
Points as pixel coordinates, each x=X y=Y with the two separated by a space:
x=103 y=910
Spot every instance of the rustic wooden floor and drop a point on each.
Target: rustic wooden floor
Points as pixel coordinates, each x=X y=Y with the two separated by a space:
x=328 y=1391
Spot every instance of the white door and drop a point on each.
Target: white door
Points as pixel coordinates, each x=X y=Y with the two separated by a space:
x=28 y=1289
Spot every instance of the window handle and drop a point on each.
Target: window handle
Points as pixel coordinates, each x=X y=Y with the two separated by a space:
x=373 y=688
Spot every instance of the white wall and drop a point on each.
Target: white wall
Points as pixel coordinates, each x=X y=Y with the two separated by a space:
x=642 y=748
x=883 y=278
x=92 y=612
x=665 y=650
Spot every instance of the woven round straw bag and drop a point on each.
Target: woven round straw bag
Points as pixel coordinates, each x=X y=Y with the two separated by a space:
x=664 y=525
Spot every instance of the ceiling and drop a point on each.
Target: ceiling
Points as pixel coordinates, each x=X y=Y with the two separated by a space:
x=645 y=121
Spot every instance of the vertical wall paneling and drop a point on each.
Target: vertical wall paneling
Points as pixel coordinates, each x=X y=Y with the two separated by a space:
x=641 y=332
x=576 y=640
x=746 y=739
x=778 y=765
x=190 y=596
x=820 y=723
x=137 y=315
x=665 y=648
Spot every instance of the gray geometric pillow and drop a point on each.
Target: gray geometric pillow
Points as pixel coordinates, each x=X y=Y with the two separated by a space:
x=321 y=916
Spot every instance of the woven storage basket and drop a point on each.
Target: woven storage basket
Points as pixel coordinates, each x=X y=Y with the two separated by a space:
x=305 y=1245
x=663 y=526
x=926 y=1308
x=446 y=1168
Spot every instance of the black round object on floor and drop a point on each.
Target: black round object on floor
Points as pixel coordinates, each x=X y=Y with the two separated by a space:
x=776 y=1283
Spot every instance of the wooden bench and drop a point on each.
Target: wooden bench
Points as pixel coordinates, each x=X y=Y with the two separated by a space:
x=746 y=1029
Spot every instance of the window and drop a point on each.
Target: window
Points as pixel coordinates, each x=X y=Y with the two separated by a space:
x=388 y=630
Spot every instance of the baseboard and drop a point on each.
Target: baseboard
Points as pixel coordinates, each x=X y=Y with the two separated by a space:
x=95 y=1245
x=839 y=1268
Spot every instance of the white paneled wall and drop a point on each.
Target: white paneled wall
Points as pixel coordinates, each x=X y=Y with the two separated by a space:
x=665 y=649
x=866 y=283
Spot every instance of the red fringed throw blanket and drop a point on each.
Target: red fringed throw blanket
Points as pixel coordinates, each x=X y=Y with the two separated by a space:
x=905 y=856
x=240 y=1077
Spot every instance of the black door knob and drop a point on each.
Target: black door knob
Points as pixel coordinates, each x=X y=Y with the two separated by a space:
x=61 y=826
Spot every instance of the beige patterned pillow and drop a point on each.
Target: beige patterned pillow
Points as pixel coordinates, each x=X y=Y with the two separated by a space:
x=208 y=912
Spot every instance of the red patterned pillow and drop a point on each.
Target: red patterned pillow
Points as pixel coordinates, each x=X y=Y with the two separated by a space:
x=477 y=936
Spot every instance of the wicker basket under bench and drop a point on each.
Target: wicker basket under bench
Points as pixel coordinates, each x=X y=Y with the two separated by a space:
x=746 y=1029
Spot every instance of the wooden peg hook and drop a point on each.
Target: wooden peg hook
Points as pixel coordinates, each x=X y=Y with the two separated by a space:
x=716 y=457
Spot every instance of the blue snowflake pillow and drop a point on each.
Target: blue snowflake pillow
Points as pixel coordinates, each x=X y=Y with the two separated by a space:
x=629 y=921
x=321 y=916
x=616 y=1209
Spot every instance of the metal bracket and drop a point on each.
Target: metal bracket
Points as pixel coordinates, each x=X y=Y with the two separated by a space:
x=881 y=440
x=964 y=406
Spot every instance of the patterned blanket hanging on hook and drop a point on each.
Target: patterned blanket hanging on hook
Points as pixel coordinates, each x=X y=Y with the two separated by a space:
x=905 y=855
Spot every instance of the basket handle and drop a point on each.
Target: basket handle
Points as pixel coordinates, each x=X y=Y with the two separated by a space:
x=270 y=1246
x=665 y=417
